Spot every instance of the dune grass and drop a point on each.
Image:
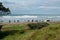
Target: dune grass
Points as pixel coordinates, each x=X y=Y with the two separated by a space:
x=19 y=32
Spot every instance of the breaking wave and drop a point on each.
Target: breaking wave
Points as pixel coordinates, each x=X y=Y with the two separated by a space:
x=25 y=16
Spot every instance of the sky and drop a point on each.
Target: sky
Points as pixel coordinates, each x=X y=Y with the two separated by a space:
x=33 y=6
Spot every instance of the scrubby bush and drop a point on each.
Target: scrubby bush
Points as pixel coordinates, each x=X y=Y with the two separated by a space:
x=1 y=27
x=22 y=31
x=37 y=25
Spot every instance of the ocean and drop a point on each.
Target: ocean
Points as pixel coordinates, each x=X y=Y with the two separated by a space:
x=30 y=17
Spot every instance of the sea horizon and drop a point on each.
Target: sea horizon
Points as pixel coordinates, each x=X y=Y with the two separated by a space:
x=33 y=15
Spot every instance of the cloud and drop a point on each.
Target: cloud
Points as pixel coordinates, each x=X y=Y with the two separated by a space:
x=49 y=7
x=31 y=4
x=6 y=2
x=18 y=5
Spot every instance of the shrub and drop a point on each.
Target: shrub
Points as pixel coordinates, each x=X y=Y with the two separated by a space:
x=37 y=25
x=22 y=31
x=1 y=27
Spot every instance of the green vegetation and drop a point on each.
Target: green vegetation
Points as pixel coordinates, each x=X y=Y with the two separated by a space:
x=1 y=27
x=2 y=8
x=37 y=25
x=22 y=32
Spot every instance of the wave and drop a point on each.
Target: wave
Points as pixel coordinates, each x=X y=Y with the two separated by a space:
x=30 y=16
x=25 y=16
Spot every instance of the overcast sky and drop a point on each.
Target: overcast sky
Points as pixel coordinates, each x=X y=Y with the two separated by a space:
x=33 y=6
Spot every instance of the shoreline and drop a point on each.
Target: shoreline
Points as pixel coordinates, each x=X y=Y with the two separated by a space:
x=28 y=22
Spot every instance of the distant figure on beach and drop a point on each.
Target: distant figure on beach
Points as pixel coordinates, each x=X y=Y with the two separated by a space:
x=17 y=20
x=32 y=20
x=9 y=21
x=1 y=21
x=46 y=20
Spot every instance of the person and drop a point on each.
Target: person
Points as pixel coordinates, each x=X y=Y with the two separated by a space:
x=9 y=21
x=32 y=20
x=17 y=20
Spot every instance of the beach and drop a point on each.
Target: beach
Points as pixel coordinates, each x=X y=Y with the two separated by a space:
x=27 y=18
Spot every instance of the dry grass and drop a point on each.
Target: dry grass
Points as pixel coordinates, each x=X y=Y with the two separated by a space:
x=51 y=32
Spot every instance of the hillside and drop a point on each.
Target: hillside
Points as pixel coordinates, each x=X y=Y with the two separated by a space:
x=21 y=32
